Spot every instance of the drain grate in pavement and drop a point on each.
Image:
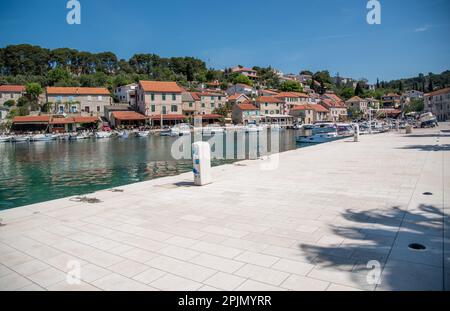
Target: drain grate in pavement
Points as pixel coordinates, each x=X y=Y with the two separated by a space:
x=428 y=193
x=417 y=247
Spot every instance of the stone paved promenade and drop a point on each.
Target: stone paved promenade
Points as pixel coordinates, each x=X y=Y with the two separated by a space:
x=312 y=224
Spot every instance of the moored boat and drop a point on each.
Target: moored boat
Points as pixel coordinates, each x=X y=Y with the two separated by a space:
x=41 y=137
x=5 y=139
x=20 y=139
x=142 y=133
x=103 y=134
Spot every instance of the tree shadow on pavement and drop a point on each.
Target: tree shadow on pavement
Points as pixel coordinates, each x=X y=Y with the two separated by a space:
x=363 y=237
x=434 y=148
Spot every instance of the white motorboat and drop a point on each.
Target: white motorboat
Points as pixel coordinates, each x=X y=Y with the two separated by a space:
x=165 y=131
x=123 y=134
x=181 y=129
x=103 y=134
x=20 y=139
x=142 y=133
x=213 y=129
x=253 y=128
x=320 y=134
x=79 y=136
x=5 y=139
x=41 y=137
x=275 y=127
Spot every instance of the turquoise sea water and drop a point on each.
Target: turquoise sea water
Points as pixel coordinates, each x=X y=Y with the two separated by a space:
x=42 y=171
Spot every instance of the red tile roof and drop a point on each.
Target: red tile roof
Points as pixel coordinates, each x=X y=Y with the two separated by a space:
x=247 y=105
x=168 y=117
x=195 y=96
x=314 y=107
x=329 y=103
x=236 y=96
x=85 y=119
x=32 y=119
x=209 y=116
x=269 y=99
x=128 y=116
x=439 y=92
x=62 y=121
x=355 y=99
x=160 y=87
x=77 y=91
x=292 y=95
x=12 y=88
x=269 y=92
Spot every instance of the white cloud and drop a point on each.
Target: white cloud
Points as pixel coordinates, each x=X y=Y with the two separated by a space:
x=423 y=28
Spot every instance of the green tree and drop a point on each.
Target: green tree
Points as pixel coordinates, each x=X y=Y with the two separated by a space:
x=359 y=91
x=242 y=79
x=23 y=101
x=9 y=103
x=291 y=86
x=34 y=90
x=347 y=93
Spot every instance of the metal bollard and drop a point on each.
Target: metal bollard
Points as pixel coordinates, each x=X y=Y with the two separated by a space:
x=201 y=157
x=356 y=135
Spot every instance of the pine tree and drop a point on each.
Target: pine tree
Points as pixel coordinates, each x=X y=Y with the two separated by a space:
x=358 y=91
x=378 y=83
x=430 y=86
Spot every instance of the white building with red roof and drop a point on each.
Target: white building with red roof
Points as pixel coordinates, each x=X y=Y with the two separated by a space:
x=245 y=113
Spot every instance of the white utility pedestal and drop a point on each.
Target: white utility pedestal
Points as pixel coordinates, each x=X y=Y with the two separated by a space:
x=356 y=133
x=201 y=157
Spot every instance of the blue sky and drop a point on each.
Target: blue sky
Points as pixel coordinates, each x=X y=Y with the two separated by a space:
x=290 y=35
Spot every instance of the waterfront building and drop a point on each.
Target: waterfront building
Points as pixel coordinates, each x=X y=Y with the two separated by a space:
x=373 y=103
x=72 y=124
x=210 y=101
x=337 y=109
x=310 y=113
x=85 y=101
x=126 y=94
x=127 y=119
x=292 y=99
x=270 y=105
x=438 y=102
x=190 y=103
x=161 y=101
x=358 y=103
x=11 y=92
x=246 y=113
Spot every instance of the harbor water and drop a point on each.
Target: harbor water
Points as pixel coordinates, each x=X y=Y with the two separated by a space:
x=41 y=171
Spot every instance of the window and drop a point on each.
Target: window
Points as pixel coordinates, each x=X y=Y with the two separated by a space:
x=152 y=96
x=213 y=105
x=86 y=109
x=220 y=97
x=59 y=98
x=153 y=108
x=73 y=109
x=100 y=98
x=190 y=105
x=174 y=108
x=98 y=108
x=266 y=111
x=12 y=96
x=203 y=105
x=164 y=110
x=174 y=97
x=163 y=96
x=70 y=98
x=212 y=98
x=61 y=109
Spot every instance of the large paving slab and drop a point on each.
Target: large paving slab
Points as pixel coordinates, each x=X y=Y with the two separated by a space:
x=338 y=216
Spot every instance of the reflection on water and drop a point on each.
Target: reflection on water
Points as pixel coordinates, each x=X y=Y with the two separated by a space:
x=37 y=172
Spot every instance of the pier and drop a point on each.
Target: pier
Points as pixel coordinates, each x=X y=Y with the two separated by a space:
x=371 y=215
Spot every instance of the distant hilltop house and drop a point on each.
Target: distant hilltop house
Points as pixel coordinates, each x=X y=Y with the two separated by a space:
x=11 y=92
x=126 y=94
x=391 y=100
x=248 y=72
x=438 y=102
x=241 y=88
x=414 y=94
x=79 y=100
